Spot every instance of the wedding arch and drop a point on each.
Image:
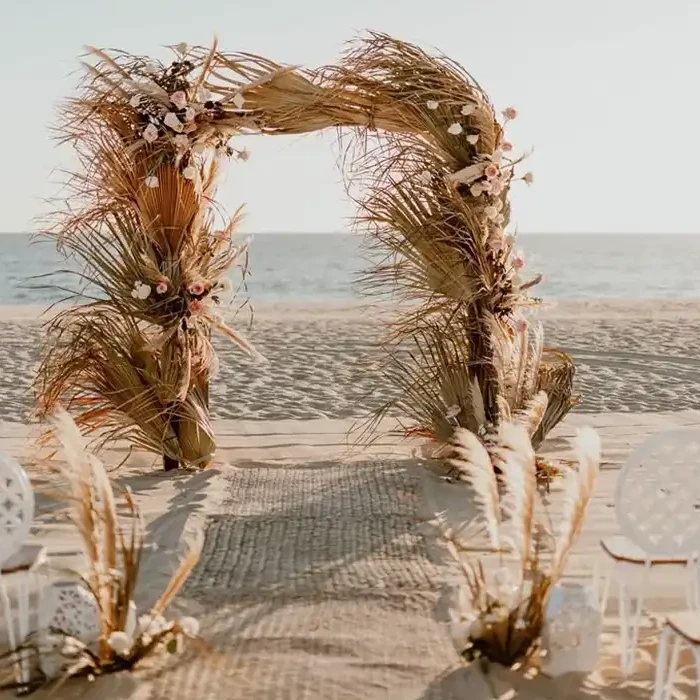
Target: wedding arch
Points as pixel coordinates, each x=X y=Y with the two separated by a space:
x=433 y=169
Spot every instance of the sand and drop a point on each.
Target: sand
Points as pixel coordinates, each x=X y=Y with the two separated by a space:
x=321 y=577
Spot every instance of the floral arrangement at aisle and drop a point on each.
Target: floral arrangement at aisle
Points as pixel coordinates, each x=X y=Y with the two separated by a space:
x=504 y=586
x=112 y=539
x=469 y=346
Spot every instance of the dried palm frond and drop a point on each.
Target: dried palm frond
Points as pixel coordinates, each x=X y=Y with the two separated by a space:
x=113 y=548
x=503 y=613
x=433 y=200
x=556 y=378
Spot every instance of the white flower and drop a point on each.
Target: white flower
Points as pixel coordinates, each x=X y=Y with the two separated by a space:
x=528 y=178
x=135 y=101
x=190 y=114
x=467 y=110
x=141 y=290
x=497 y=157
x=150 y=133
x=476 y=189
x=152 y=625
x=189 y=173
x=120 y=642
x=491 y=212
x=182 y=47
x=203 y=94
x=452 y=411
x=179 y=99
x=171 y=120
x=151 y=68
x=455 y=129
x=151 y=181
x=432 y=104
x=472 y=139
x=425 y=177
x=190 y=626
x=238 y=100
x=181 y=142
x=459 y=631
x=469 y=174
x=476 y=629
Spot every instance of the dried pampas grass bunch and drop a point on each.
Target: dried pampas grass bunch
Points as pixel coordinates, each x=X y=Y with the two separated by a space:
x=502 y=600
x=113 y=543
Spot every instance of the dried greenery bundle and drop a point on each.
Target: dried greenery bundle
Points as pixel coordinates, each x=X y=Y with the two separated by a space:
x=434 y=205
x=113 y=547
x=500 y=614
x=141 y=218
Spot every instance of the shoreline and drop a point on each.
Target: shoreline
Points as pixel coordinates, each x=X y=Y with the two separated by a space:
x=585 y=308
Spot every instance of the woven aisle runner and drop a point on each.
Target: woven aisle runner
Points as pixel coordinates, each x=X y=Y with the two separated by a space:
x=317 y=584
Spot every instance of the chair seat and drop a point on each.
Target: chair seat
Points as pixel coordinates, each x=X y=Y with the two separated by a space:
x=686 y=624
x=622 y=549
x=29 y=558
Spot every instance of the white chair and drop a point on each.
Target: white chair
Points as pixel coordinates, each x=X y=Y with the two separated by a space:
x=679 y=629
x=657 y=505
x=21 y=565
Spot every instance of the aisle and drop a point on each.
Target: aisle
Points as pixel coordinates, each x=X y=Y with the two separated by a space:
x=318 y=584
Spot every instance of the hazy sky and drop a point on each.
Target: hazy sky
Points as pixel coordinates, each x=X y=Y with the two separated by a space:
x=608 y=93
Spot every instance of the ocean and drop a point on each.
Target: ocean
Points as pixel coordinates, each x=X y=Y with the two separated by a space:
x=324 y=267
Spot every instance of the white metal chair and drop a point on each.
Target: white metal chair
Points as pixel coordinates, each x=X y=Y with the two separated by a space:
x=679 y=629
x=657 y=505
x=21 y=565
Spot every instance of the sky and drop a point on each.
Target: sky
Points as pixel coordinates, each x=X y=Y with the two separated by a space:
x=608 y=95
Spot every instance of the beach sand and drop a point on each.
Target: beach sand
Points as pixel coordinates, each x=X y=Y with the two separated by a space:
x=321 y=576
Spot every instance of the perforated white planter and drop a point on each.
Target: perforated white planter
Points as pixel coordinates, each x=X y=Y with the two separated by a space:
x=72 y=609
x=571 y=632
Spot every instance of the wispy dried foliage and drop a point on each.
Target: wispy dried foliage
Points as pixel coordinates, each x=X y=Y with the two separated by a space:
x=500 y=611
x=112 y=539
x=433 y=200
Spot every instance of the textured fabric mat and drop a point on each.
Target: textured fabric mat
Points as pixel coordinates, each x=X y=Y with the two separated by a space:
x=317 y=584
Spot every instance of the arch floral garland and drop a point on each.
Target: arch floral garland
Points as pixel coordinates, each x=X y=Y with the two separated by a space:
x=142 y=218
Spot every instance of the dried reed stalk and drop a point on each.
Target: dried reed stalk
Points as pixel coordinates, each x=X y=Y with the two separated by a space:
x=501 y=614
x=113 y=545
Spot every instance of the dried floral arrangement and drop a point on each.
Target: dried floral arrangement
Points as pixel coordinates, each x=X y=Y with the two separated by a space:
x=504 y=587
x=141 y=216
x=112 y=539
x=434 y=208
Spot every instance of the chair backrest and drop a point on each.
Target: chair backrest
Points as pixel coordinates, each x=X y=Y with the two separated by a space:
x=657 y=500
x=16 y=506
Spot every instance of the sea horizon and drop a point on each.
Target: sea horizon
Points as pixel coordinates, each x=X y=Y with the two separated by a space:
x=318 y=267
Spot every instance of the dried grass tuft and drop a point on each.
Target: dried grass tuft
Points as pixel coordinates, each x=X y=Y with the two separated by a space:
x=501 y=613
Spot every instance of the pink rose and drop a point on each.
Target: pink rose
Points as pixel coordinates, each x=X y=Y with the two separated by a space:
x=491 y=171
x=150 y=133
x=162 y=287
x=521 y=326
x=507 y=146
x=510 y=113
x=196 y=306
x=518 y=262
x=196 y=289
x=179 y=99
x=494 y=187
